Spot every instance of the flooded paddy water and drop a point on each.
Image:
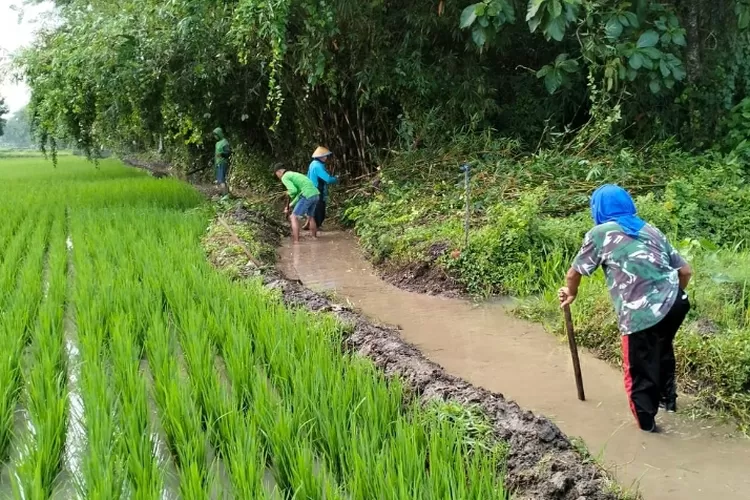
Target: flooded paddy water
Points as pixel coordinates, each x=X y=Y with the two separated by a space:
x=485 y=345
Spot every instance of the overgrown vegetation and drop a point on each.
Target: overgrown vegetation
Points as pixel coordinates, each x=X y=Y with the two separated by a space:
x=528 y=218
x=17 y=131
x=365 y=77
x=3 y=112
x=175 y=356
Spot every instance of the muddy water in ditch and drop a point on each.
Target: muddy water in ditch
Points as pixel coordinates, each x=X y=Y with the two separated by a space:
x=488 y=347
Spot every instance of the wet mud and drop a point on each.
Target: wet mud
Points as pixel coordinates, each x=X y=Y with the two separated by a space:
x=483 y=345
x=155 y=168
x=425 y=277
x=422 y=277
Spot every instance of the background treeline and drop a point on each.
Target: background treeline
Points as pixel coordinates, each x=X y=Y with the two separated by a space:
x=364 y=77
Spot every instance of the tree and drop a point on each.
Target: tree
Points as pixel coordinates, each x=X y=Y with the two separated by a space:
x=364 y=76
x=18 y=131
x=3 y=112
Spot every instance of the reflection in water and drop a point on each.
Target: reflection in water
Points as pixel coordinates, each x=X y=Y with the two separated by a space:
x=75 y=436
x=486 y=346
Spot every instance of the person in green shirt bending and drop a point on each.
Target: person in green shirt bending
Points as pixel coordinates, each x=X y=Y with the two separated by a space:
x=303 y=196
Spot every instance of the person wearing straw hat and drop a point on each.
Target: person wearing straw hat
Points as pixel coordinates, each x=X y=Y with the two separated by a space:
x=320 y=178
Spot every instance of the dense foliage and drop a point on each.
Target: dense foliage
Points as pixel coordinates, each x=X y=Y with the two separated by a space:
x=17 y=131
x=3 y=111
x=363 y=76
x=528 y=218
x=582 y=91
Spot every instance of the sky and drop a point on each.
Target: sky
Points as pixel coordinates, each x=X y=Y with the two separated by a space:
x=14 y=35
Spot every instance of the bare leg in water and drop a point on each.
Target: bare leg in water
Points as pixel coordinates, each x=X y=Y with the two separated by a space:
x=295 y=228
x=313 y=226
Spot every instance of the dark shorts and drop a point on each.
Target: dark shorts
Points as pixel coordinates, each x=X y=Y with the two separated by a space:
x=306 y=206
x=320 y=213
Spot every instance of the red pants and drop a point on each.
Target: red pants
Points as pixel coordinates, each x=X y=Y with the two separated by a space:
x=649 y=364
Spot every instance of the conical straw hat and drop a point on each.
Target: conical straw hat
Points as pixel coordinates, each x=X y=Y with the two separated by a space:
x=321 y=152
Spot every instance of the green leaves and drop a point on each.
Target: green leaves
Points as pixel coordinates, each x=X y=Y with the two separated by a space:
x=613 y=28
x=629 y=19
x=533 y=9
x=558 y=74
x=479 y=36
x=636 y=61
x=554 y=7
x=743 y=20
x=670 y=29
x=642 y=48
x=553 y=16
x=468 y=16
x=486 y=18
x=648 y=39
x=678 y=38
x=555 y=29
x=742 y=11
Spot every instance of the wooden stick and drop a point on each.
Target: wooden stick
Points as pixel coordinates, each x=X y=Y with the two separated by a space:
x=574 y=352
x=239 y=242
x=199 y=169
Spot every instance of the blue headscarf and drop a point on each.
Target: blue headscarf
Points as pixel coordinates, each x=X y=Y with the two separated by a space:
x=612 y=203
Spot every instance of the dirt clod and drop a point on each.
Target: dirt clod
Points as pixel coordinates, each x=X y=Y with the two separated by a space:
x=422 y=277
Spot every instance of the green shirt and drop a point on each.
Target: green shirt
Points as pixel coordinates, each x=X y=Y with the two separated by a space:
x=223 y=149
x=298 y=185
x=641 y=273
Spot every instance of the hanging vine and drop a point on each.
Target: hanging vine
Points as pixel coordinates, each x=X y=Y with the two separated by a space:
x=262 y=25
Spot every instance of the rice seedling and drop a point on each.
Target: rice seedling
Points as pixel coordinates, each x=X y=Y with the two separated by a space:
x=180 y=417
x=24 y=294
x=144 y=476
x=241 y=385
x=46 y=401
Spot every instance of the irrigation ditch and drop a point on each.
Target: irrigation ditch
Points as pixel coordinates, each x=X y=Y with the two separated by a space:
x=542 y=463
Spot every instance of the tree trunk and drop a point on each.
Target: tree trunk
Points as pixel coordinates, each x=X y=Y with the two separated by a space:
x=691 y=22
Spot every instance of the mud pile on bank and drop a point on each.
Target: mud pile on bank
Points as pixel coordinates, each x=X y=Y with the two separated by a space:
x=542 y=463
x=424 y=276
x=156 y=168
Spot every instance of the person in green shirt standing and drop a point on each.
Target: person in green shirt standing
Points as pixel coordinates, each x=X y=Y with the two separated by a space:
x=303 y=196
x=221 y=161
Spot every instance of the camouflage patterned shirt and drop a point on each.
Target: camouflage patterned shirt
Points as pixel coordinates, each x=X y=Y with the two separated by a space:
x=641 y=273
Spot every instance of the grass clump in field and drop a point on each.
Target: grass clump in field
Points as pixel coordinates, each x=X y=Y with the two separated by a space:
x=237 y=388
x=528 y=218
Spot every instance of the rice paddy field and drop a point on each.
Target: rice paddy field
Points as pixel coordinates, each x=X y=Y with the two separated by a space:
x=130 y=368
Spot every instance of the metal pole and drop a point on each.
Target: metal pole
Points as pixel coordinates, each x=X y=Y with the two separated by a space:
x=574 y=352
x=465 y=169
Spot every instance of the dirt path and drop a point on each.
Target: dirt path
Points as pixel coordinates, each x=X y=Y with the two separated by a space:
x=491 y=349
